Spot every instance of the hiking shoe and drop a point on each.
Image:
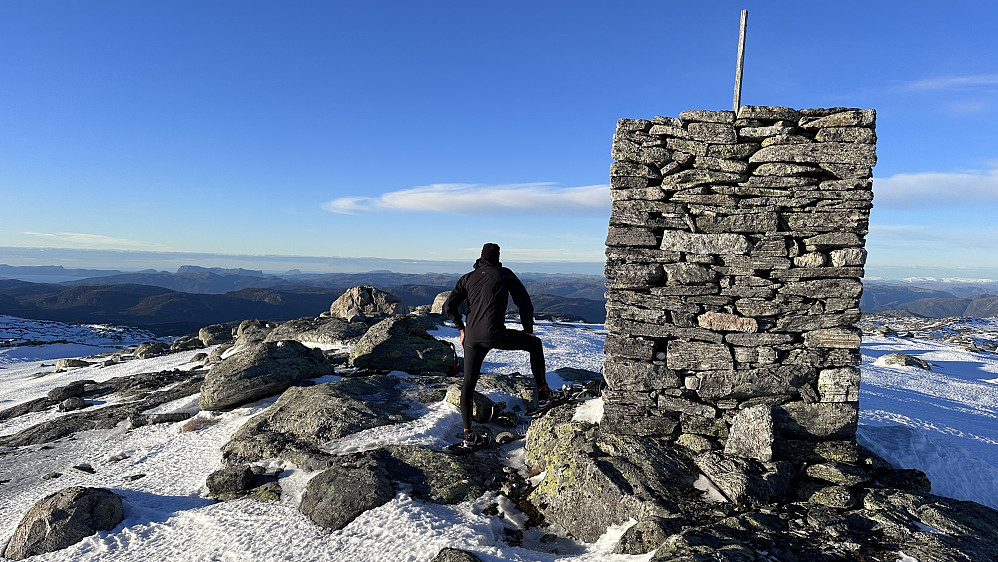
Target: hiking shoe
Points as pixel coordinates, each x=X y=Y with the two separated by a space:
x=544 y=393
x=473 y=439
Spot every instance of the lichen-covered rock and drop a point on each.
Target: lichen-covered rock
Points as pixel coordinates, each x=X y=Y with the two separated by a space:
x=304 y=418
x=482 y=407
x=63 y=519
x=609 y=478
x=324 y=329
x=251 y=332
x=401 y=343
x=264 y=370
x=366 y=302
x=751 y=435
x=648 y=534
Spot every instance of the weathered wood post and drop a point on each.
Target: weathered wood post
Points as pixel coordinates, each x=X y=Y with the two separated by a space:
x=741 y=63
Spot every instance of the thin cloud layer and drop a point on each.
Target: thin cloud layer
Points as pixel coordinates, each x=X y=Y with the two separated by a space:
x=953 y=82
x=476 y=199
x=98 y=240
x=953 y=189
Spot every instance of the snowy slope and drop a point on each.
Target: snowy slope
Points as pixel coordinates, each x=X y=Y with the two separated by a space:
x=940 y=421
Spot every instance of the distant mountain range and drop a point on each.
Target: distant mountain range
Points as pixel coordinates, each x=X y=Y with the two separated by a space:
x=175 y=303
x=182 y=302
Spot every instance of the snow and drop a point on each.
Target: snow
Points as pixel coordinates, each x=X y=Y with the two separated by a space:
x=940 y=421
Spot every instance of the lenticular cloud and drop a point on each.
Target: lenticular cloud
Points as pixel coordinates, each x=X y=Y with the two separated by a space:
x=476 y=199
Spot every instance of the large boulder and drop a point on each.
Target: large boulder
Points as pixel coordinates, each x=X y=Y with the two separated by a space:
x=438 y=304
x=366 y=302
x=63 y=519
x=343 y=491
x=150 y=349
x=253 y=331
x=401 y=343
x=64 y=364
x=215 y=334
x=609 y=478
x=361 y=481
x=264 y=370
x=324 y=330
x=305 y=418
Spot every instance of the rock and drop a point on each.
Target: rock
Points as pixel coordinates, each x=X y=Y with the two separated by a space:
x=199 y=358
x=366 y=302
x=751 y=435
x=75 y=388
x=822 y=420
x=401 y=343
x=679 y=241
x=150 y=349
x=64 y=364
x=63 y=519
x=648 y=534
x=724 y=322
x=336 y=496
x=215 y=334
x=839 y=384
x=609 y=478
x=744 y=481
x=905 y=360
x=305 y=418
x=230 y=483
x=438 y=304
x=264 y=370
x=454 y=555
x=140 y=420
x=251 y=332
x=327 y=330
x=72 y=403
x=839 y=473
x=440 y=477
x=910 y=480
x=483 y=408
x=186 y=343
x=834 y=496
x=572 y=374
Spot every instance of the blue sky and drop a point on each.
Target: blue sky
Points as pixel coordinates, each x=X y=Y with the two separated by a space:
x=420 y=130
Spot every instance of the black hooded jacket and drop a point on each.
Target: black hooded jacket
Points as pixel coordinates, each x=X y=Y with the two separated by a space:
x=487 y=290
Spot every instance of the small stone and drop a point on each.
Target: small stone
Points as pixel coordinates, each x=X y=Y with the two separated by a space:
x=905 y=360
x=135 y=477
x=84 y=468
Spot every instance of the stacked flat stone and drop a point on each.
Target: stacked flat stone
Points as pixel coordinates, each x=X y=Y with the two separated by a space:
x=735 y=254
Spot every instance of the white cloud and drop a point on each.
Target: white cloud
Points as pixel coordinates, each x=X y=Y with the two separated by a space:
x=476 y=199
x=905 y=191
x=953 y=82
x=82 y=239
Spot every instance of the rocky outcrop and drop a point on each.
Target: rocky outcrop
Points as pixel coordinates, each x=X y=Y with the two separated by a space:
x=365 y=303
x=264 y=370
x=401 y=343
x=304 y=418
x=140 y=393
x=324 y=330
x=63 y=519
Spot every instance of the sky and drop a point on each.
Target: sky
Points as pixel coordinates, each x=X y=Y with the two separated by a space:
x=420 y=130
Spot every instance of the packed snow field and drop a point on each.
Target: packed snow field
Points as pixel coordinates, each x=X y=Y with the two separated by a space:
x=940 y=421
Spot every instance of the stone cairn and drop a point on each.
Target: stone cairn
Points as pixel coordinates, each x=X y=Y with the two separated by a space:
x=734 y=264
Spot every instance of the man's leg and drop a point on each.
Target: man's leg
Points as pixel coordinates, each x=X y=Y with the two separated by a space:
x=522 y=341
x=474 y=356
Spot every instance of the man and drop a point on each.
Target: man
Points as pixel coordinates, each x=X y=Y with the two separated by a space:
x=487 y=290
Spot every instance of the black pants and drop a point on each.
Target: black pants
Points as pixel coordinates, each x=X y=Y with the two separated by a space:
x=474 y=356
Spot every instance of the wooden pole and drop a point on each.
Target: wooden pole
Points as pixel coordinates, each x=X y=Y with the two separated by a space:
x=741 y=63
